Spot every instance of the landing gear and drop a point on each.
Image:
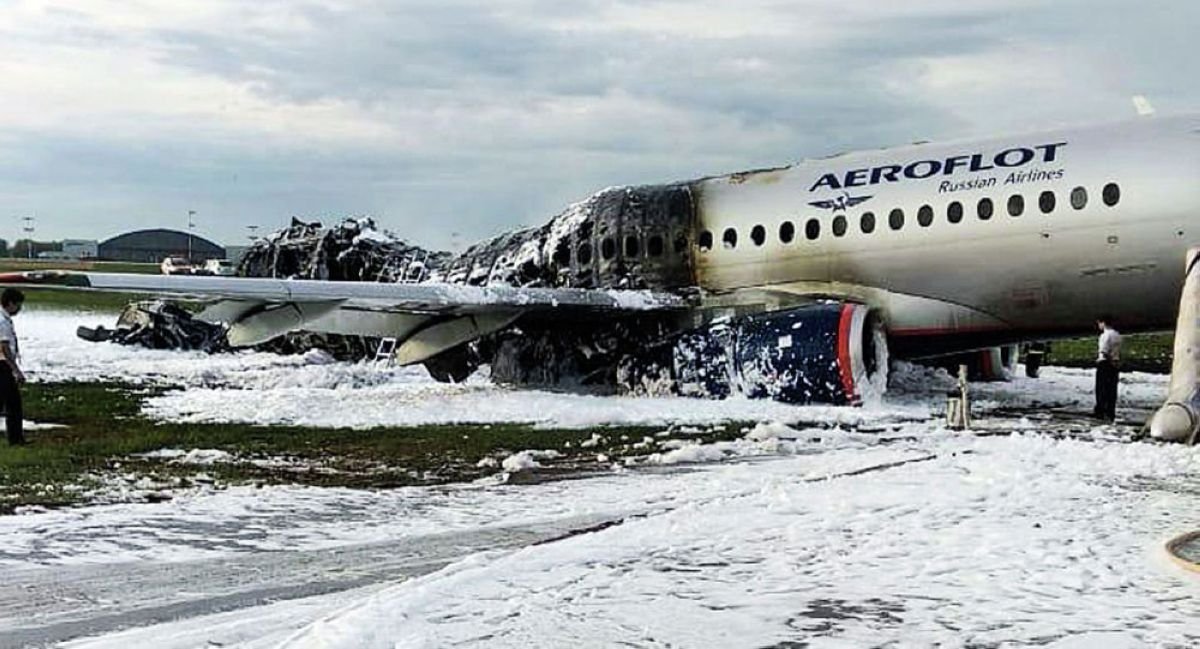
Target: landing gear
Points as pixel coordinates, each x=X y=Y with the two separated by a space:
x=989 y=364
x=1035 y=355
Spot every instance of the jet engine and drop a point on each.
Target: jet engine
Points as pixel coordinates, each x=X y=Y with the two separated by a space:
x=824 y=353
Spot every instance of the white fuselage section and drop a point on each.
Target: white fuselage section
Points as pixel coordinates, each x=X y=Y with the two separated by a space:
x=1100 y=223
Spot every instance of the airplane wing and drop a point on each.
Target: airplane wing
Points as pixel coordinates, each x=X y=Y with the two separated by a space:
x=425 y=318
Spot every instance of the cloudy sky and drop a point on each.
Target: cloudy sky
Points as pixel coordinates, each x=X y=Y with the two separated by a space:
x=450 y=120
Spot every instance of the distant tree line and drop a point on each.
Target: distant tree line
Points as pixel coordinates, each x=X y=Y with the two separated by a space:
x=21 y=248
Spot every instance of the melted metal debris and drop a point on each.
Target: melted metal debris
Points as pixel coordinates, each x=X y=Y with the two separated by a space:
x=354 y=250
x=160 y=325
x=619 y=238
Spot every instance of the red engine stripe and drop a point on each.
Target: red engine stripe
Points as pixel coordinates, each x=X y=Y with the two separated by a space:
x=843 y=357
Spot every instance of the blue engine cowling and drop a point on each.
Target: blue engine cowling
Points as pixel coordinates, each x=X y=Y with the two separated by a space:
x=824 y=353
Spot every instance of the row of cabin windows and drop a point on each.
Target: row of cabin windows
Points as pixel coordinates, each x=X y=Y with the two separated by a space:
x=984 y=209
x=656 y=246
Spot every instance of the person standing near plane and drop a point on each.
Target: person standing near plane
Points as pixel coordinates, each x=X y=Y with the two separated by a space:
x=11 y=376
x=1108 y=364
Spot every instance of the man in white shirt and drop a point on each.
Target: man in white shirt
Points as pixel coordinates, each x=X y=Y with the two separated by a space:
x=1108 y=369
x=11 y=376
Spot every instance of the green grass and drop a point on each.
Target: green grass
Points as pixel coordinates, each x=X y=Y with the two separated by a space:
x=10 y=265
x=104 y=428
x=1139 y=352
x=57 y=299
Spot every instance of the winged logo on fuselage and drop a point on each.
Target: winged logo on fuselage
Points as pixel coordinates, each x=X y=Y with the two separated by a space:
x=841 y=203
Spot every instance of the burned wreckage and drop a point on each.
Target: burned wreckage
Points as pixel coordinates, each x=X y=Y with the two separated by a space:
x=646 y=238
x=353 y=250
x=620 y=240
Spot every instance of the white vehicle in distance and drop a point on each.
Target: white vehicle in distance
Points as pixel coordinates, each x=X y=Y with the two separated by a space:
x=176 y=266
x=219 y=267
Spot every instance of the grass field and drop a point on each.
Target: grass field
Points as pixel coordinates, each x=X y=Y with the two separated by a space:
x=53 y=298
x=9 y=265
x=104 y=429
x=1139 y=352
x=60 y=299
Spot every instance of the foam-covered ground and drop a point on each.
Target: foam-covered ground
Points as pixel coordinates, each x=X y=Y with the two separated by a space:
x=997 y=542
x=950 y=541
x=311 y=390
x=800 y=535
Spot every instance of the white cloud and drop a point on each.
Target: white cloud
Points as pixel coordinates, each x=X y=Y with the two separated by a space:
x=481 y=113
x=99 y=71
x=1010 y=89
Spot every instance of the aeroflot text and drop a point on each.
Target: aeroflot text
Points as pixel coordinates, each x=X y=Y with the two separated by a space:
x=921 y=169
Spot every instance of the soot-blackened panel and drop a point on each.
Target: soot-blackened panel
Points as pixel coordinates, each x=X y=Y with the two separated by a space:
x=624 y=237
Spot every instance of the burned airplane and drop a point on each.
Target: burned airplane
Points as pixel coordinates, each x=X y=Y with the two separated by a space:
x=793 y=283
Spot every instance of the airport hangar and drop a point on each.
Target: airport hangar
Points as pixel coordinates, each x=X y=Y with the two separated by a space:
x=151 y=246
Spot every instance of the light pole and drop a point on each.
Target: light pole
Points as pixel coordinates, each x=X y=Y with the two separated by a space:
x=253 y=232
x=27 y=228
x=191 y=224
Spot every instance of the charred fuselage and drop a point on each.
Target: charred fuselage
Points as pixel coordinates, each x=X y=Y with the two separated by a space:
x=624 y=237
x=620 y=238
x=645 y=238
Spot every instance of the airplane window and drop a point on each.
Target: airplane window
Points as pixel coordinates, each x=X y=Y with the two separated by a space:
x=681 y=243
x=1079 y=198
x=729 y=238
x=787 y=232
x=1016 y=205
x=631 y=246
x=706 y=241
x=562 y=253
x=812 y=229
x=954 y=212
x=584 y=256
x=896 y=219
x=758 y=235
x=1046 y=202
x=1111 y=194
x=839 y=225
x=654 y=246
x=985 y=209
x=867 y=223
x=608 y=248
x=925 y=216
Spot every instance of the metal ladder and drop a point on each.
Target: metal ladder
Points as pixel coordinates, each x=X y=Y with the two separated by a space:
x=387 y=269
x=386 y=351
x=415 y=269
